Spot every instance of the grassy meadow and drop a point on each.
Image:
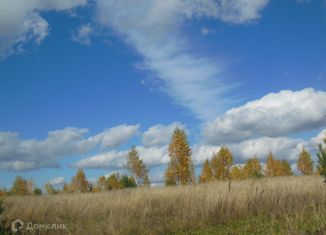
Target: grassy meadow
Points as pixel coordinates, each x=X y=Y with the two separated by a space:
x=278 y=205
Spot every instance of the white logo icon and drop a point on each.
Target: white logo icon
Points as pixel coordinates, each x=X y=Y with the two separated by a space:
x=17 y=225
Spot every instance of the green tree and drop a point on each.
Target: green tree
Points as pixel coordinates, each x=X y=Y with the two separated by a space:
x=181 y=169
x=20 y=187
x=321 y=155
x=206 y=173
x=128 y=181
x=79 y=182
x=37 y=191
x=137 y=167
x=221 y=163
x=304 y=163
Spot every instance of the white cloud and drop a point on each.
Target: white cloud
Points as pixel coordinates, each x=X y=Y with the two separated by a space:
x=282 y=148
x=152 y=156
x=276 y=114
x=153 y=29
x=159 y=135
x=83 y=34
x=114 y=136
x=16 y=154
x=57 y=181
x=21 y=22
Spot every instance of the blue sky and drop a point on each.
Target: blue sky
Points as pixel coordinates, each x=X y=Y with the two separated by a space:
x=83 y=81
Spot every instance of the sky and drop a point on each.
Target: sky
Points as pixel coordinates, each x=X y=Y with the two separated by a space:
x=81 y=81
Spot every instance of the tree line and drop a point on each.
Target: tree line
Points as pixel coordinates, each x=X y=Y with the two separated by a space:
x=180 y=170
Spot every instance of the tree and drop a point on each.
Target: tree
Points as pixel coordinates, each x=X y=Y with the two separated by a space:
x=252 y=168
x=128 y=181
x=181 y=168
x=102 y=184
x=221 y=163
x=270 y=165
x=50 y=189
x=20 y=187
x=236 y=173
x=114 y=182
x=146 y=181
x=206 y=173
x=66 y=188
x=137 y=167
x=304 y=163
x=321 y=155
x=170 y=176
x=79 y=182
x=286 y=168
x=37 y=191
x=275 y=167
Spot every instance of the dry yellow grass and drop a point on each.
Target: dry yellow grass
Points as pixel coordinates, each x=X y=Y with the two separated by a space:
x=175 y=209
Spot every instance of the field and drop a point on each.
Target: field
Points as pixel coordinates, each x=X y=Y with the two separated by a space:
x=279 y=205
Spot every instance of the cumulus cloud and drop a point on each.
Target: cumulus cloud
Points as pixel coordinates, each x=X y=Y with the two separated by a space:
x=159 y=135
x=57 y=181
x=18 y=155
x=282 y=147
x=153 y=28
x=83 y=34
x=152 y=156
x=114 y=136
x=276 y=114
x=21 y=22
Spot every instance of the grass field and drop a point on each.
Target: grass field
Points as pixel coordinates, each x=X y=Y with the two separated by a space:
x=280 y=205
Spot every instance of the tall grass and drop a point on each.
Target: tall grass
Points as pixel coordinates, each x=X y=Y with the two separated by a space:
x=180 y=209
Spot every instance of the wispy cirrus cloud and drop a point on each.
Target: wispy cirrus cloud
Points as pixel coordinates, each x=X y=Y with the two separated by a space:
x=154 y=30
x=21 y=22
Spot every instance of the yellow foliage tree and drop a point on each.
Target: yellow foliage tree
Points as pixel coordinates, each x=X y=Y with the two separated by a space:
x=170 y=176
x=114 y=182
x=20 y=187
x=221 y=163
x=66 y=188
x=237 y=173
x=102 y=184
x=275 y=167
x=252 y=168
x=206 y=173
x=304 y=163
x=79 y=182
x=286 y=168
x=137 y=167
x=181 y=168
